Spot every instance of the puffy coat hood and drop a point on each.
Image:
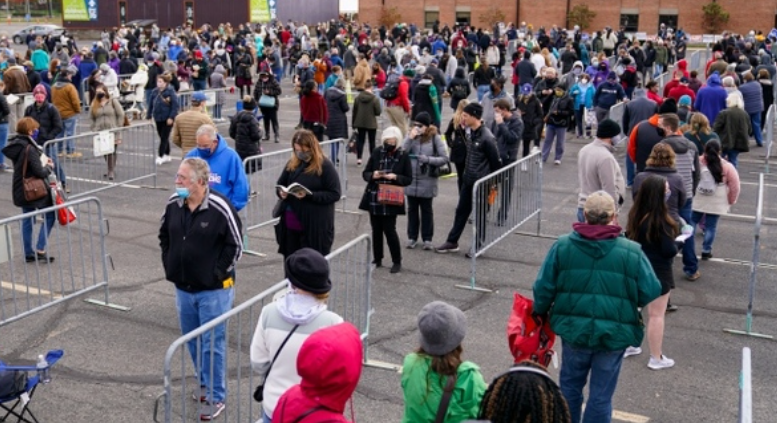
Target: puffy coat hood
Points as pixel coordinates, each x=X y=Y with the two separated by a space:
x=330 y=364
x=766 y=59
x=220 y=69
x=365 y=97
x=714 y=80
x=578 y=64
x=16 y=146
x=682 y=65
x=459 y=72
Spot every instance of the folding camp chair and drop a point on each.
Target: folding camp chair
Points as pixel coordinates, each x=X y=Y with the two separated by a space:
x=25 y=398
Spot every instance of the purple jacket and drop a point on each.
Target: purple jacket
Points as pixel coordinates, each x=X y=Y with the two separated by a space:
x=711 y=98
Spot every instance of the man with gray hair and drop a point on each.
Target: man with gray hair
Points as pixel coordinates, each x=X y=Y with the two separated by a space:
x=227 y=174
x=200 y=239
x=595 y=269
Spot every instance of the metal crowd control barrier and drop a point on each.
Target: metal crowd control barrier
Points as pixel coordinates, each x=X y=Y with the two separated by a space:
x=663 y=79
x=84 y=88
x=616 y=113
x=695 y=60
x=754 y=267
x=746 y=388
x=502 y=202
x=85 y=163
x=80 y=262
x=351 y=274
x=768 y=125
x=17 y=109
x=258 y=212
x=213 y=95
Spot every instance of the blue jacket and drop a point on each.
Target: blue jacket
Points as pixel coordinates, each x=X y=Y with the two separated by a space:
x=164 y=105
x=710 y=100
x=583 y=99
x=227 y=175
x=753 y=96
x=438 y=45
x=607 y=94
x=85 y=69
x=173 y=52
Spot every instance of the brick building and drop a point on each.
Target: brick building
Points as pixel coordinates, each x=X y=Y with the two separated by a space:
x=636 y=15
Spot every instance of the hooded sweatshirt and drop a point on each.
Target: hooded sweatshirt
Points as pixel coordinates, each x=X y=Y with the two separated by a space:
x=227 y=175
x=711 y=99
x=329 y=364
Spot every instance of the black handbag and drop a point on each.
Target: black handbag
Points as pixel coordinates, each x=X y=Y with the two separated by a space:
x=259 y=391
x=442 y=170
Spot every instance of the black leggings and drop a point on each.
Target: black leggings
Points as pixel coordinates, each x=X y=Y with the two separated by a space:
x=363 y=133
x=385 y=225
x=270 y=116
x=163 y=129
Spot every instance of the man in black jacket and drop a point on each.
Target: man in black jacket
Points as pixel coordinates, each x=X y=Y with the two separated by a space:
x=482 y=159
x=508 y=130
x=201 y=243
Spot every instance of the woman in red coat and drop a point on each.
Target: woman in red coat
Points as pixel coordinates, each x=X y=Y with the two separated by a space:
x=313 y=110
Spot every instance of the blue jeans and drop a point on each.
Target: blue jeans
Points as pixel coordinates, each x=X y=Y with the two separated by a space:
x=732 y=156
x=69 y=130
x=755 y=120
x=147 y=98
x=194 y=310
x=557 y=133
x=629 y=171
x=690 y=261
x=3 y=140
x=266 y=418
x=604 y=368
x=217 y=111
x=43 y=235
x=710 y=227
x=482 y=91
x=659 y=69
x=199 y=85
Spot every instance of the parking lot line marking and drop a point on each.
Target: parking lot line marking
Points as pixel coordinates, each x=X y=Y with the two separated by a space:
x=756 y=184
x=26 y=289
x=629 y=417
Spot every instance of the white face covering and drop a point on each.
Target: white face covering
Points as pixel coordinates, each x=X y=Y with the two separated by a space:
x=298 y=308
x=617 y=140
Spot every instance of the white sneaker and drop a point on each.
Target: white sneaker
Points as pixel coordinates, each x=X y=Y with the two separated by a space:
x=166 y=159
x=632 y=351
x=159 y=161
x=663 y=363
x=411 y=243
x=557 y=162
x=533 y=150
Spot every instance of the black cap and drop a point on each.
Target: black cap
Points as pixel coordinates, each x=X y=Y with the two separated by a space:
x=474 y=109
x=308 y=270
x=608 y=128
x=423 y=118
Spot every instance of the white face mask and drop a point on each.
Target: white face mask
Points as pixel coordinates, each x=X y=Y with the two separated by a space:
x=617 y=140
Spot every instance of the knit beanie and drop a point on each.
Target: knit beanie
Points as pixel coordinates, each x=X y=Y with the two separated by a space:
x=442 y=327
x=308 y=270
x=608 y=128
x=39 y=89
x=391 y=132
x=668 y=106
x=474 y=109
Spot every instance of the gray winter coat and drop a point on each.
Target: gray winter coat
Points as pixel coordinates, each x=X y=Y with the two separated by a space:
x=337 y=105
x=109 y=116
x=423 y=185
x=218 y=82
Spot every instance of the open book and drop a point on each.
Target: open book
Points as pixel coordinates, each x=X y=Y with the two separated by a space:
x=294 y=189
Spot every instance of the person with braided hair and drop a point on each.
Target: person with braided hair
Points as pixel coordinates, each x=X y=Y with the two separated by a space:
x=524 y=394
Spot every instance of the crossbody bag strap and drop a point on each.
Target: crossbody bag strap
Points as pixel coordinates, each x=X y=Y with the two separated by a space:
x=26 y=159
x=277 y=353
x=447 y=394
x=307 y=413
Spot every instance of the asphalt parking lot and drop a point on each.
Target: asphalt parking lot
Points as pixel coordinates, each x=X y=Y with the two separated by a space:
x=112 y=369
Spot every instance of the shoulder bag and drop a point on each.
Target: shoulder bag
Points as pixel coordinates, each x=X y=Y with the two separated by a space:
x=259 y=392
x=267 y=101
x=447 y=394
x=442 y=170
x=34 y=187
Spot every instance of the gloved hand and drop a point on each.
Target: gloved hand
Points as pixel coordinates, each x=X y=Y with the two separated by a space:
x=422 y=158
x=539 y=318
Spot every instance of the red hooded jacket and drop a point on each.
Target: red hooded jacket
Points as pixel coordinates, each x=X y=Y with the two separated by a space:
x=403 y=95
x=330 y=364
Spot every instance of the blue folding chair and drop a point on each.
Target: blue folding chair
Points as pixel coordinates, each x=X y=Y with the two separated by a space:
x=32 y=384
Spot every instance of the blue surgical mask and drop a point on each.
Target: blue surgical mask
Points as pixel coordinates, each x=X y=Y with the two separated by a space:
x=35 y=134
x=204 y=152
x=182 y=192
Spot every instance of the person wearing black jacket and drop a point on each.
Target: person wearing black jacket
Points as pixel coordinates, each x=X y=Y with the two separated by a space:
x=127 y=66
x=267 y=85
x=456 y=137
x=508 y=130
x=482 y=77
x=561 y=109
x=244 y=129
x=388 y=165
x=530 y=109
x=482 y=159
x=51 y=126
x=155 y=70
x=458 y=88
x=26 y=153
x=200 y=238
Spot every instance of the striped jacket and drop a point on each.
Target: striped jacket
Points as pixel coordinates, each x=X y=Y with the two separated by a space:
x=200 y=248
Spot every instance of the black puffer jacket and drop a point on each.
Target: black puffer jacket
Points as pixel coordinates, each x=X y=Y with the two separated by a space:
x=337 y=105
x=244 y=129
x=482 y=155
x=15 y=150
x=271 y=88
x=48 y=118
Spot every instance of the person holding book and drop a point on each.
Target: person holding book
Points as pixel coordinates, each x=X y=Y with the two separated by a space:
x=307 y=210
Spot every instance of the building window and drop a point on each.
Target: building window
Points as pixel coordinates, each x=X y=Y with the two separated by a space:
x=630 y=23
x=463 y=18
x=430 y=17
x=669 y=20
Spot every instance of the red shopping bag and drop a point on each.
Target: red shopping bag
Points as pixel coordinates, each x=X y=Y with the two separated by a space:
x=65 y=215
x=527 y=339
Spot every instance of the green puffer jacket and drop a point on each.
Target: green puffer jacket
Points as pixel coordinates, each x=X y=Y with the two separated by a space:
x=592 y=289
x=423 y=389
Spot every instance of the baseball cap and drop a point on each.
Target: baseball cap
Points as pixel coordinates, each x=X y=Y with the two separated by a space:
x=599 y=204
x=199 y=96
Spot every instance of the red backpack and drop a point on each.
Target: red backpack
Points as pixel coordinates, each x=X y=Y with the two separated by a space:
x=528 y=339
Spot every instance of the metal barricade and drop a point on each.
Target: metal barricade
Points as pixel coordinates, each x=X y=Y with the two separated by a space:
x=84 y=88
x=17 y=109
x=768 y=125
x=214 y=105
x=351 y=275
x=79 y=262
x=695 y=60
x=664 y=79
x=258 y=212
x=616 y=113
x=754 y=267
x=612 y=60
x=84 y=162
x=502 y=202
x=746 y=388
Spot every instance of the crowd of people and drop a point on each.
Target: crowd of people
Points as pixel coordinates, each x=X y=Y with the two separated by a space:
x=683 y=145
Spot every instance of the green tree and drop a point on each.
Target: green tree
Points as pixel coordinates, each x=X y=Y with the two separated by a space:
x=581 y=15
x=715 y=17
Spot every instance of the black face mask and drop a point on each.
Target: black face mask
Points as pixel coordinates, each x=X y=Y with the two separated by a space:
x=389 y=147
x=661 y=132
x=100 y=96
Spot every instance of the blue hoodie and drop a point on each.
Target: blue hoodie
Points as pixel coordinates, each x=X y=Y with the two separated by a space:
x=711 y=99
x=584 y=97
x=227 y=175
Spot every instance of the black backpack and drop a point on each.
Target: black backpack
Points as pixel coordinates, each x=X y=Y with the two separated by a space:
x=390 y=91
x=12 y=383
x=459 y=91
